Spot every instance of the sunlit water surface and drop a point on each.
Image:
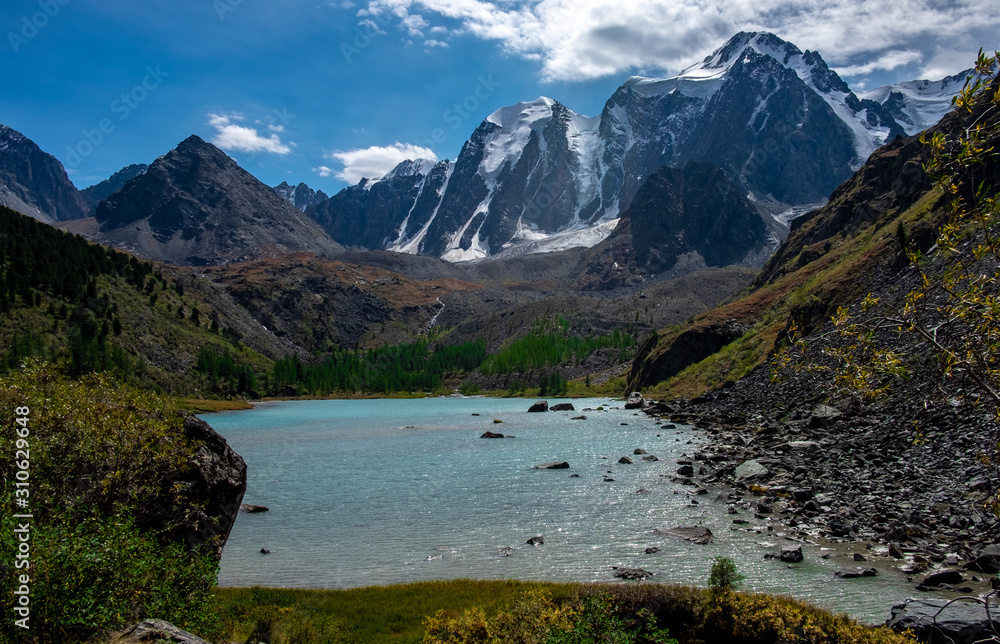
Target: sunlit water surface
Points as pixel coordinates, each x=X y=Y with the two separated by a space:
x=373 y=492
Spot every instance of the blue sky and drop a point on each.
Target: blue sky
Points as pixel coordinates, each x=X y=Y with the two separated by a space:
x=326 y=92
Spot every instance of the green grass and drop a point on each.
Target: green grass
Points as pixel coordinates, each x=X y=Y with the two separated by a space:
x=463 y=610
x=376 y=614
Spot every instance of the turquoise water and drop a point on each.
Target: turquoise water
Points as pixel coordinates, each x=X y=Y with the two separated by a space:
x=373 y=492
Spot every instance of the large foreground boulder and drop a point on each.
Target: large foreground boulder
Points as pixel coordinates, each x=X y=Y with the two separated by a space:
x=930 y=620
x=216 y=482
x=156 y=630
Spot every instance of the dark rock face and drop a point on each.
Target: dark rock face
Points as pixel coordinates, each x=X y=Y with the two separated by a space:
x=695 y=209
x=101 y=191
x=491 y=435
x=562 y=407
x=218 y=481
x=35 y=183
x=537 y=540
x=929 y=620
x=196 y=206
x=156 y=630
x=300 y=196
x=689 y=347
x=371 y=214
x=541 y=405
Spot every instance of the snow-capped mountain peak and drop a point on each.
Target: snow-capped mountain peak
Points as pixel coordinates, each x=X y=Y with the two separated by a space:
x=777 y=120
x=919 y=104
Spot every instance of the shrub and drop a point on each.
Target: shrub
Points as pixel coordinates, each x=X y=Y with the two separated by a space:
x=103 y=459
x=724 y=577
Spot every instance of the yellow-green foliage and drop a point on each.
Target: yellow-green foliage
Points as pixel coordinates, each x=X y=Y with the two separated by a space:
x=471 y=611
x=376 y=615
x=529 y=620
x=102 y=459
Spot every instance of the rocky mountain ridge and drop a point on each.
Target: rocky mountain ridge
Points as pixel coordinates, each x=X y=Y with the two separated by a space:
x=196 y=206
x=537 y=175
x=35 y=183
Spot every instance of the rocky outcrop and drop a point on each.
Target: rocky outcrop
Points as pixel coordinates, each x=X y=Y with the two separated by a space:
x=300 y=196
x=156 y=631
x=35 y=183
x=98 y=192
x=660 y=358
x=196 y=206
x=541 y=405
x=933 y=620
x=695 y=209
x=215 y=484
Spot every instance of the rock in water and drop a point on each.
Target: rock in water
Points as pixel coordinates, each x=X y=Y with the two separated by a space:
x=541 y=405
x=963 y=623
x=632 y=573
x=856 y=573
x=563 y=407
x=156 y=630
x=791 y=555
x=694 y=534
x=537 y=540
x=491 y=435
x=252 y=509
x=553 y=466
x=625 y=460
x=950 y=577
x=635 y=401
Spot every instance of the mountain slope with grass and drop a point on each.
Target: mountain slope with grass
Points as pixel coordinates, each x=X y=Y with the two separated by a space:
x=860 y=367
x=832 y=257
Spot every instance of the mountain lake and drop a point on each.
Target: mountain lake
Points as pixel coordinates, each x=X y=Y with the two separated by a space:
x=376 y=492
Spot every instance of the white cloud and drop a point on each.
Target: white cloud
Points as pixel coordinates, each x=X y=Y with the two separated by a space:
x=230 y=136
x=577 y=40
x=887 y=62
x=375 y=161
x=323 y=171
x=435 y=43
